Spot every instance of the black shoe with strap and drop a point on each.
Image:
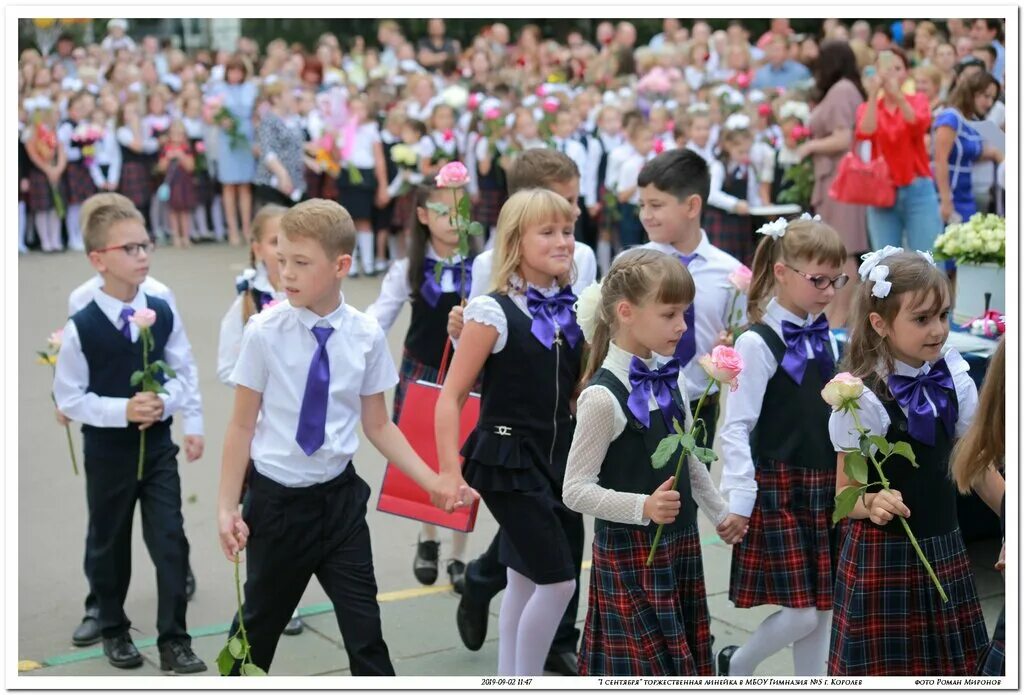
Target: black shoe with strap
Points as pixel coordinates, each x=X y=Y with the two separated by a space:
x=121 y=652
x=177 y=655
x=424 y=566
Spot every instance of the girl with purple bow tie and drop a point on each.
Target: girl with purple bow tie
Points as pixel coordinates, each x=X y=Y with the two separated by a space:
x=414 y=280
x=889 y=620
x=525 y=339
x=630 y=401
x=779 y=466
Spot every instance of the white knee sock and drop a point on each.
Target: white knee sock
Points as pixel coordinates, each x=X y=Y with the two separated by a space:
x=776 y=632
x=22 y=226
x=155 y=220
x=74 y=228
x=604 y=256
x=47 y=239
x=810 y=653
x=364 y=242
x=393 y=247
x=428 y=532
x=200 y=228
x=460 y=541
x=538 y=625
x=217 y=212
x=518 y=591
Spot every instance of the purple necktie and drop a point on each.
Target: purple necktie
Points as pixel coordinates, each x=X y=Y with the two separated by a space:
x=658 y=382
x=126 y=327
x=686 y=349
x=909 y=392
x=794 y=362
x=313 y=413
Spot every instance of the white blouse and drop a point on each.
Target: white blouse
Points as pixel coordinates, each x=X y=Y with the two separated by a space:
x=367 y=135
x=232 y=328
x=486 y=310
x=395 y=290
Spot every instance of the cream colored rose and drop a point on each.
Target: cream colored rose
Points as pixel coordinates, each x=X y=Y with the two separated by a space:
x=842 y=390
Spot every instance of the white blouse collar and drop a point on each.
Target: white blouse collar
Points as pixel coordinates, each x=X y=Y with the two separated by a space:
x=520 y=286
x=780 y=314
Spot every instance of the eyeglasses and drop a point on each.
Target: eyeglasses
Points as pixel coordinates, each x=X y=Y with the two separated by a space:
x=131 y=249
x=822 y=282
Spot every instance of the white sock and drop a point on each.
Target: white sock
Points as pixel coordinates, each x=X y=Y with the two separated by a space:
x=154 y=217
x=393 y=247
x=604 y=256
x=518 y=591
x=22 y=226
x=43 y=227
x=217 y=212
x=428 y=532
x=74 y=227
x=460 y=541
x=364 y=242
x=55 y=241
x=810 y=653
x=199 y=228
x=538 y=625
x=776 y=632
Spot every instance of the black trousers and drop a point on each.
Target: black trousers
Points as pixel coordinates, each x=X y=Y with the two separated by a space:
x=112 y=491
x=296 y=533
x=486 y=577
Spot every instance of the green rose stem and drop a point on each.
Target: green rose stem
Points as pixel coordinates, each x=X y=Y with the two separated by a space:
x=241 y=620
x=462 y=257
x=906 y=526
x=679 y=471
x=145 y=370
x=67 y=427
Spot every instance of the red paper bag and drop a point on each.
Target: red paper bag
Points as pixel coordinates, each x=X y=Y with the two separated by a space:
x=399 y=495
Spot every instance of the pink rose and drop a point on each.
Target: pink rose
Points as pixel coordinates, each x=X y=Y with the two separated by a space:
x=740 y=279
x=743 y=80
x=541 y=91
x=449 y=135
x=452 y=175
x=723 y=365
x=272 y=302
x=200 y=147
x=144 y=318
x=659 y=146
x=56 y=339
x=474 y=100
x=550 y=105
x=492 y=114
x=764 y=110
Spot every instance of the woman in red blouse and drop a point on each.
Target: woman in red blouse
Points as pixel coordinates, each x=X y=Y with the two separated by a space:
x=896 y=124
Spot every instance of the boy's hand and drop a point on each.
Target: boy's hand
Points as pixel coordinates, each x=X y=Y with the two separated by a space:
x=234 y=533
x=144 y=408
x=158 y=407
x=455 y=322
x=194 y=445
x=662 y=506
x=733 y=529
x=62 y=419
x=886 y=505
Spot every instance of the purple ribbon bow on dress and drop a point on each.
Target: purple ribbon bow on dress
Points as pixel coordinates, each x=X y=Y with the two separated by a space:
x=552 y=313
x=659 y=383
x=911 y=391
x=794 y=362
x=431 y=290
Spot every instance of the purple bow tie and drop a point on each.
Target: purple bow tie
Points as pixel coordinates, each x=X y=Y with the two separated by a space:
x=794 y=362
x=551 y=313
x=910 y=392
x=658 y=382
x=431 y=290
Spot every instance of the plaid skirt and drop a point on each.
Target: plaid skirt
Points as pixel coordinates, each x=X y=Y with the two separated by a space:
x=404 y=208
x=732 y=233
x=646 y=621
x=411 y=371
x=183 y=191
x=78 y=182
x=486 y=210
x=889 y=619
x=320 y=185
x=136 y=183
x=788 y=557
x=993 y=660
x=40 y=195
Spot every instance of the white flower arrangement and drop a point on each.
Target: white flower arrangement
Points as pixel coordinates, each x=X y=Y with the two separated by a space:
x=455 y=96
x=587 y=306
x=981 y=239
x=795 y=109
x=698 y=108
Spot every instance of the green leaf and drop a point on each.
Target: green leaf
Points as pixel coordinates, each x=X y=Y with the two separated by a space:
x=463 y=207
x=664 y=452
x=881 y=443
x=166 y=368
x=677 y=427
x=236 y=647
x=687 y=441
x=252 y=670
x=463 y=246
x=42 y=353
x=856 y=467
x=845 y=502
x=476 y=229
x=439 y=208
x=136 y=378
x=225 y=662
x=705 y=456
x=906 y=451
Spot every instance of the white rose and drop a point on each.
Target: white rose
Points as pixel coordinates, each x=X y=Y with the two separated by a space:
x=843 y=388
x=587 y=305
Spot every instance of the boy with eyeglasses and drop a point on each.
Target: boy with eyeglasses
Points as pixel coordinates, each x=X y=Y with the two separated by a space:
x=101 y=349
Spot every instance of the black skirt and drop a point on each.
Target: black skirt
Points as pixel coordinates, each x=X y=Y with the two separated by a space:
x=357 y=198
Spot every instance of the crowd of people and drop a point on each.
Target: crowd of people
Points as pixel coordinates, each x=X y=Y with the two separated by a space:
x=575 y=154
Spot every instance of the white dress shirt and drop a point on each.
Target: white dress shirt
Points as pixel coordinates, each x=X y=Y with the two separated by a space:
x=707 y=152
x=874 y=417
x=589 y=184
x=743 y=406
x=362 y=157
x=616 y=158
x=710 y=271
x=574 y=150
x=277 y=348
x=232 y=328
x=125 y=136
x=71 y=382
x=395 y=290
x=192 y=409
x=583 y=257
x=629 y=173
x=108 y=153
x=600 y=421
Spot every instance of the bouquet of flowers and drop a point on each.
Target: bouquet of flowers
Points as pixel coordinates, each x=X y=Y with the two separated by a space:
x=85 y=137
x=981 y=239
x=325 y=156
x=654 y=85
x=215 y=110
x=200 y=156
x=49 y=356
x=405 y=158
x=44 y=143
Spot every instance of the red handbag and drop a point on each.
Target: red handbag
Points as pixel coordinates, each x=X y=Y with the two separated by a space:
x=863 y=183
x=399 y=495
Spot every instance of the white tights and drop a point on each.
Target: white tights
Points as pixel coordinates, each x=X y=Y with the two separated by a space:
x=48 y=230
x=75 y=228
x=527 y=622
x=806 y=629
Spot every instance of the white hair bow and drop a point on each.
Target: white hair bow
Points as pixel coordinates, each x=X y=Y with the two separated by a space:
x=737 y=121
x=870 y=260
x=776 y=229
x=927 y=255
x=878 y=276
x=807 y=216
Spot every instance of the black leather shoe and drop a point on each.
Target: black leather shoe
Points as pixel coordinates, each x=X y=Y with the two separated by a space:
x=177 y=655
x=723 y=658
x=121 y=652
x=471 y=619
x=190 y=585
x=294 y=626
x=88 y=632
x=457 y=575
x=424 y=566
x=562 y=663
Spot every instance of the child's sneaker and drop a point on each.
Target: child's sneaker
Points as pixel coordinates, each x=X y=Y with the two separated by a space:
x=424 y=566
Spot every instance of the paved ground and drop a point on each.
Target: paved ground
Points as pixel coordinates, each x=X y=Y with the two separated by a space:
x=419 y=621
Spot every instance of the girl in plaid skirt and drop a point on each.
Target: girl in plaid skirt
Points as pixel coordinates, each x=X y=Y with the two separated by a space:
x=78 y=182
x=641 y=621
x=138 y=156
x=779 y=470
x=48 y=161
x=177 y=163
x=734 y=190
x=890 y=619
x=413 y=280
x=983 y=448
